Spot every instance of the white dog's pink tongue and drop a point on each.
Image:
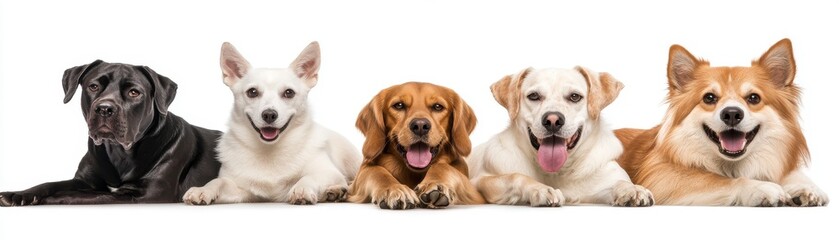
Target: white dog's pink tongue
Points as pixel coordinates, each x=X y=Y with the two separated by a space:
x=552 y=154
x=269 y=133
x=733 y=141
x=418 y=155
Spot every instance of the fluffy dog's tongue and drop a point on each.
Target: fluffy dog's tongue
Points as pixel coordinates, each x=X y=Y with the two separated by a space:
x=733 y=141
x=552 y=154
x=269 y=133
x=418 y=155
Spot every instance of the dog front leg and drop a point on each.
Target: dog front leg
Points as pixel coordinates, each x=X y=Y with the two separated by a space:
x=674 y=184
x=802 y=190
x=609 y=185
x=219 y=190
x=444 y=185
x=321 y=181
x=36 y=194
x=375 y=184
x=516 y=188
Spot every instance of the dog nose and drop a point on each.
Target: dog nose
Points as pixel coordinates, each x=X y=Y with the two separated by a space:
x=269 y=116
x=420 y=126
x=105 y=109
x=731 y=115
x=553 y=121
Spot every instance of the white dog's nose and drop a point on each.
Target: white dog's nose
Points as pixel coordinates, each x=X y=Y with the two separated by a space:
x=553 y=121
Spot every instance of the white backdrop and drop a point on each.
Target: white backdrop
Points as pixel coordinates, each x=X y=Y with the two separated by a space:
x=368 y=46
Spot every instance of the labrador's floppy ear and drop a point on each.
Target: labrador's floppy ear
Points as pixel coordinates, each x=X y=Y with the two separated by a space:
x=233 y=65
x=164 y=89
x=463 y=122
x=779 y=63
x=507 y=91
x=371 y=123
x=603 y=89
x=73 y=76
x=307 y=64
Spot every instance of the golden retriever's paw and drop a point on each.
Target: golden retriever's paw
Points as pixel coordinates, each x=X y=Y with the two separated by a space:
x=433 y=195
x=806 y=196
x=395 y=197
x=200 y=196
x=762 y=194
x=335 y=193
x=629 y=195
x=545 y=196
x=302 y=196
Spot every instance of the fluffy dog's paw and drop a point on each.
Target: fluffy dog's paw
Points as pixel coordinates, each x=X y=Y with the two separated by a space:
x=545 y=196
x=629 y=195
x=806 y=196
x=335 y=193
x=200 y=196
x=10 y=199
x=302 y=196
x=763 y=194
x=433 y=195
x=397 y=196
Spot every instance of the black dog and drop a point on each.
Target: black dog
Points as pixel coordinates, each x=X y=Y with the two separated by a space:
x=138 y=152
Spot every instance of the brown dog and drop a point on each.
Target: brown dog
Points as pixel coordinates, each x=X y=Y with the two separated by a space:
x=417 y=136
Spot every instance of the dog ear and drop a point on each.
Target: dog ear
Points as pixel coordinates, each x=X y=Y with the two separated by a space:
x=680 y=67
x=371 y=123
x=507 y=91
x=779 y=63
x=233 y=65
x=603 y=89
x=463 y=122
x=73 y=77
x=307 y=64
x=164 y=90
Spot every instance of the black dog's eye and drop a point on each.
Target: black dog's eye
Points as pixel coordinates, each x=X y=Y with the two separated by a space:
x=288 y=93
x=533 y=96
x=93 y=87
x=133 y=93
x=709 y=98
x=437 y=107
x=399 y=106
x=575 y=97
x=753 y=98
x=252 y=93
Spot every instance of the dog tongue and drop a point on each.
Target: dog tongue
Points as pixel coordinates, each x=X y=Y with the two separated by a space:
x=269 y=133
x=733 y=141
x=552 y=154
x=418 y=155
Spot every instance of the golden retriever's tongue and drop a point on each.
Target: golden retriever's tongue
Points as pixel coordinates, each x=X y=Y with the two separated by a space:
x=733 y=141
x=419 y=155
x=552 y=154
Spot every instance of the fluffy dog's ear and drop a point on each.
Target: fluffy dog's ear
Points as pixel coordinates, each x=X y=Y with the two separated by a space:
x=507 y=91
x=779 y=63
x=603 y=89
x=164 y=90
x=307 y=64
x=680 y=67
x=73 y=76
x=371 y=123
x=463 y=122
x=233 y=65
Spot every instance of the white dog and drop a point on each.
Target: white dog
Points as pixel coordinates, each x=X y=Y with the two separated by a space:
x=273 y=151
x=557 y=149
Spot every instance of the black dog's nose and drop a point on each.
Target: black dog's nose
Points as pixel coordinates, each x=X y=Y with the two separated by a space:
x=553 y=121
x=420 y=126
x=105 y=109
x=269 y=116
x=731 y=115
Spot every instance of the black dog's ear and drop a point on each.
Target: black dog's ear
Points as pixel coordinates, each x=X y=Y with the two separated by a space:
x=72 y=77
x=164 y=90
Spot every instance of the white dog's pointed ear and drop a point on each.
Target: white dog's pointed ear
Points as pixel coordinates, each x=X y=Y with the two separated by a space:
x=233 y=65
x=779 y=63
x=307 y=64
x=507 y=91
x=603 y=89
x=681 y=66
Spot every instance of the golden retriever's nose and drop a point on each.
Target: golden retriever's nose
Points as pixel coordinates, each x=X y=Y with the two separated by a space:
x=420 y=126
x=553 y=121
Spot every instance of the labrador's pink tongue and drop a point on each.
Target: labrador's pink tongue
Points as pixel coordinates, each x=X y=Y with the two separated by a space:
x=733 y=141
x=418 y=155
x=552 y=154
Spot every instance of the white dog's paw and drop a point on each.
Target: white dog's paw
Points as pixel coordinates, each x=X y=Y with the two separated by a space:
x=629 y=195
x=802 y=195
x=335 y=193
x=545 y=196
x=302 y=196
x=396 y=196
x=762 y=194
x=200 y=196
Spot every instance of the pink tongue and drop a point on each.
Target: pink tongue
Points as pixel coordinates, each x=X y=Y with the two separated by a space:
x=269 y=133
x=552 y=154
x=733 y=143
x=418 y=155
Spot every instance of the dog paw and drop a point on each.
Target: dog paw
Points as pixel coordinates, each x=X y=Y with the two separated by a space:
x=200 y=196
x=397 y=197
x=763 y=194
x=302 y=196
x=806 y=196
x=335 y=193
x=629 y=195
x=434 y=195
x=545 y=196
x=11 y=199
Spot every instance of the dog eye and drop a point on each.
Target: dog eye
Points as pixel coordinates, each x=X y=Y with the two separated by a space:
x=575 y=97
x=133 y=93
x=753 y=98
x=93 y=87
x=437 y=107
x=252 y=93
x=288 y=93
x=709 y=98
x=533 y=96
x=399 y=106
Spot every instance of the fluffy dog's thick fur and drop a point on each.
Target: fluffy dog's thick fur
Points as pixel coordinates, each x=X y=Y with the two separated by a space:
x=730 y=137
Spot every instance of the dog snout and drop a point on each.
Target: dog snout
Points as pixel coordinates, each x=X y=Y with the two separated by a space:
x=553 y=121
x=269 y=116
x=731 y=116
x=420 y=126
x=105 y=109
